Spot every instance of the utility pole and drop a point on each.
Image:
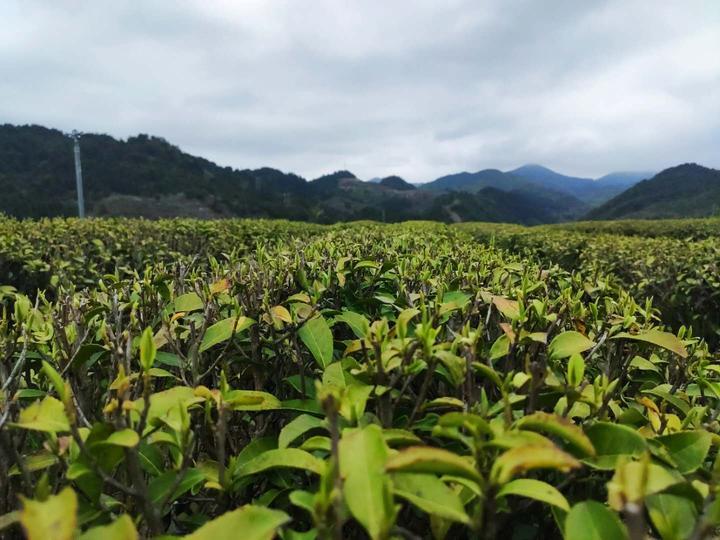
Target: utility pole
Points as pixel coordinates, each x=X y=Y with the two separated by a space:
x=78 y=175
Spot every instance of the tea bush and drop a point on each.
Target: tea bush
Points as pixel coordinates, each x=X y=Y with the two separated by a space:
x=365 y=381
x=681 y=275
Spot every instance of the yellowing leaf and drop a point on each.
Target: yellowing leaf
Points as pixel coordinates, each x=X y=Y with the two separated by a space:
x=252 y=400
x=55 y=378
x=46 y=415
x=666 y=340
x=122 y=528
x=247 y=522
x=219 y=286
x=507 y=307
x=526 y=458
x=280 y=313
x=560 y=427
x=426 y=459
x=54 y=518
x=500 y=348
x=127 y=438
x=36 y=462
x=535 y=489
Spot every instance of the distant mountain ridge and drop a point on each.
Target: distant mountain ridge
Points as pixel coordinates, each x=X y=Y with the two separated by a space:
x=584 y=192
x=147 y=176
x=592 y=192
x=688 y=190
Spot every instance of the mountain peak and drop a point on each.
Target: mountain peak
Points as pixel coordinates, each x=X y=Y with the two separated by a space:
x=534 y=167
x=686 y=168
x=397 y=183
x=337 y=175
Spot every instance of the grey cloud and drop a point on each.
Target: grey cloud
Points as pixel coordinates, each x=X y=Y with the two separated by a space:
x=417 y=88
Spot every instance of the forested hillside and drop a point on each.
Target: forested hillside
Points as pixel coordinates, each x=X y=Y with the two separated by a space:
x=688 y=190
x=146 y=176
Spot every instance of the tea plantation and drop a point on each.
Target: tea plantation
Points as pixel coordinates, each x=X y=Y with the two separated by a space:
x=269 y=379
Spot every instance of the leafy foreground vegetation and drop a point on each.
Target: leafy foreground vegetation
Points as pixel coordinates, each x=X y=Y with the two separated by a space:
x=676 y=263
x=254 y=379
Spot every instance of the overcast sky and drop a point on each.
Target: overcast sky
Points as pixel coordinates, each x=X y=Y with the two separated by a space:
x=415 y=88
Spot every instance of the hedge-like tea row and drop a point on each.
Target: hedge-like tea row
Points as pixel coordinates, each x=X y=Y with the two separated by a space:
x=372 y=381
x=681 y=275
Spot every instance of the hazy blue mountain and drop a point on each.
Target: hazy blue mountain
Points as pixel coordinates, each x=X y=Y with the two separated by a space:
x=568 y=205
x=591 y=192
x=625 y=179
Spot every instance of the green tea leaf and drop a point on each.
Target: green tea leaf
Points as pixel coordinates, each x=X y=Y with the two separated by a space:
x=591 y=520
x=55 y=378
x=568 y=343
x=188 y=302
x=122 y=528
x=147 y=349
x=430 y=495
x=367 y=490
x=673 y=516
x=292 y=458
x=318 y=338
x=613 y=442
x=575 y=370
x=560 y=427
x=534 y=489
x=159 y=487
x=224 y=330
x=248 y=522
x=687 y=448
x=297 y=428
x=357 y=323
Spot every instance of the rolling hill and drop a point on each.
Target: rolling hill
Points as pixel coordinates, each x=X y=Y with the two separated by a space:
x=497 y=205
x=471 y=182
x=149 y=177
x=688 y=190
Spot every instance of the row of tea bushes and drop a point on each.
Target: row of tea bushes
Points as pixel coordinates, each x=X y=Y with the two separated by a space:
x=681 y=276
x=376 y=381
